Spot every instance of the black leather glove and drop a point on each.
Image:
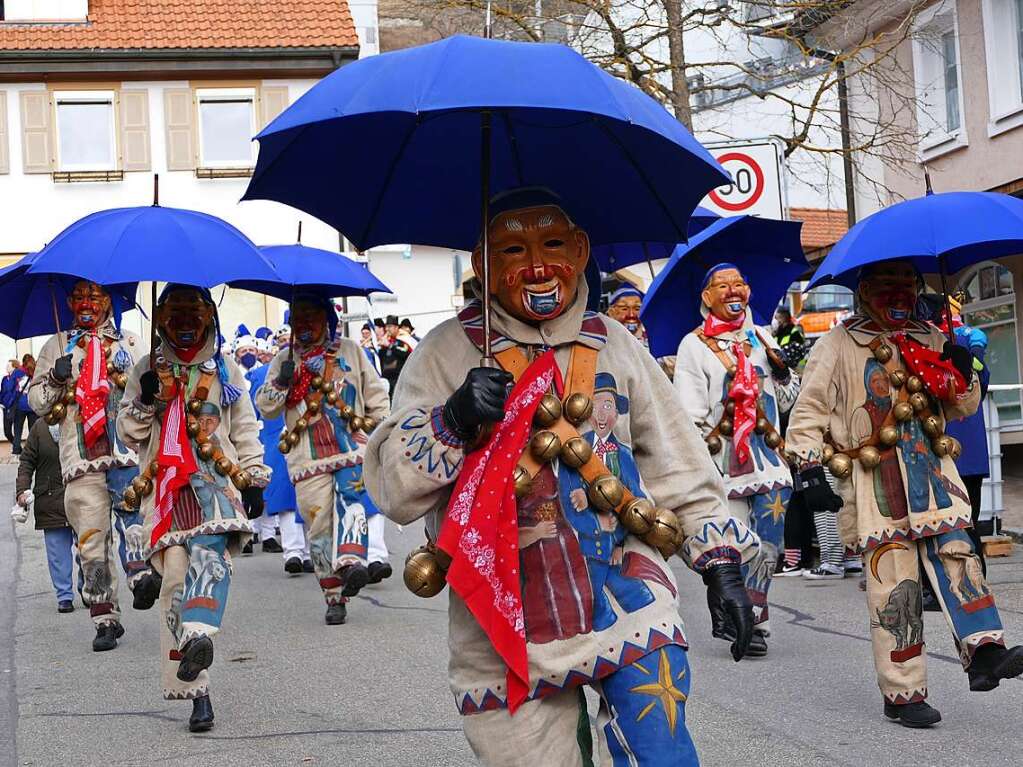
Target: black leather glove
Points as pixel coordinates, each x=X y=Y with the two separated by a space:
x=779 y=368
x=286 y=374
x=478 y=401
x=817 y=493
x=726 y=582
x=252 y=501
x=960 y=358
x=149 y=385
x=61 y=368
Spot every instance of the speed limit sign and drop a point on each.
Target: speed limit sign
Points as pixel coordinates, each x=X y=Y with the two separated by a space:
x=757 y=180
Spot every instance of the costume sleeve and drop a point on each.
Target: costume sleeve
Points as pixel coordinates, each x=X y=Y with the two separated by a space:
x=786 y=392
x=43 y=391
x=135 y=419
x=245 y=430
x=693 y=383
x=412 y=460
x=27 y=463
x=677 y=469
x=818 y=398
x=270 y=398
x=375 y=397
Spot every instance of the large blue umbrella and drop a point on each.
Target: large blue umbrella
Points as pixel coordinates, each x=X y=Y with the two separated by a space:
x=767 y=252
x=301 y=268
x=32 y=305
x=619 y=255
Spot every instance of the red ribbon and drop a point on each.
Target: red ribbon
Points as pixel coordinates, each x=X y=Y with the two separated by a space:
x=303 y=377
x=745 y=388
x=939 y=376
x=176 y=464
x=92 y=390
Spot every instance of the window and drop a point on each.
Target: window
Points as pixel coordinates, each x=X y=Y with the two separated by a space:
x=1003 y=45
x=936 y=69
x=86 y=133
x=949 y=61
x=227 y=123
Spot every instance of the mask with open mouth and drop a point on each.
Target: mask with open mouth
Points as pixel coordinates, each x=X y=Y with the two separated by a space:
x=184 y=318
x=726 y=294
x=309 y=321
x=90 y=304
x=888 y=292
x=626 y=311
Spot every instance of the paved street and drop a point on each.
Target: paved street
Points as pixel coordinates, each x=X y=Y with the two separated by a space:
x=289 y=690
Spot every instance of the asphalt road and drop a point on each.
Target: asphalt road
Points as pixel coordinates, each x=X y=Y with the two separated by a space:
x=289 y=690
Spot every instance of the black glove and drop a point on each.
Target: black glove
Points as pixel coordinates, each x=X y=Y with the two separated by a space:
x=817 y=493
x=252 y=501
x=286 y=374
x=478 y=401
x=149 y=385
x=727 y=584
x=779 y=368
x=62 y=368
x=960 y=357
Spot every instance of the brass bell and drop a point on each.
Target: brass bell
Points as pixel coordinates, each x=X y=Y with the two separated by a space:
x=955 y=449
x=548 y=411
x=605 y=492
x=714 y=444
x=316 y=382
x=902 y=411
x=346 y=411
x=942 y=445
x=50 y=419
x=368 y=424
x=545 y=446
x=578 y=408
x=327 y=386
x=883 y=353
x=331 y=397
x=312 y=406
x=914 y=384
x=355 y=423
x=840 y=465
x=194 y=406
x=423 y=574
x=69 y=397
x=637 y=516
x=223 y=466
x=576 y=452
x=206 y=451
x=897 y=378
x=142 y=486
x=664 y=532
x=58 y=411
x=725 y=427
x=293 y=438
x=300 y=424
x=108 y=350
x=154 y=466
x=828 y=452
x=130 y=498
x=110 y=367
x=762 y=425
x=889 y=435
x=730 y=407
x=918 y=401
x=870 y=457
x=284 y=446
x=931 y=426
x=241 y=479
x=523 y=482
x=192 y=428
x=772 y=439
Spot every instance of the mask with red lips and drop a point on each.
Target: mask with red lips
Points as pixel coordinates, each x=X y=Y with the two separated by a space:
x=727 y=294
x=888 y=292
x=538 y=256
x=90 y=304
x=184 y=317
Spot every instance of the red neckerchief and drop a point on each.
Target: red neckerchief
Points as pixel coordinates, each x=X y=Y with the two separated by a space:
x=940 y=377
x=713 y=327
x=480 y=530
x=187 y=354
x=300 y=388
x=745 y=388
x=92 y=390
x=176 y=463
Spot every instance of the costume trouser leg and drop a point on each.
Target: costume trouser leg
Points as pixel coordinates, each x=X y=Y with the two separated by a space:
x=87 y=504
x=896 y=608
x=377 y=545
x=764 y=514
x=60 y=560
x=196 y=582
x=293 y=539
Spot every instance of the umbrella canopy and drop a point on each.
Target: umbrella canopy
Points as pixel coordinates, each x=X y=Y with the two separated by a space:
x=624 y=168
x=300 y=268
x=767 y=252
x=939 y=232
x=27 y=300
x=619 y=255
x=153 y=243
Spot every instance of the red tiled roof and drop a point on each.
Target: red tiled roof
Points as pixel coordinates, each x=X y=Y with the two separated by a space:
x=822 y=227
x=177 y=24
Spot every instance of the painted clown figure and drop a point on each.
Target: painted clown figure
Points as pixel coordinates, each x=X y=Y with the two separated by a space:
x=331 y=397
x=735 y=386
x=877 y=393
x=552 y=465
x=202 y=482
x=78 y=383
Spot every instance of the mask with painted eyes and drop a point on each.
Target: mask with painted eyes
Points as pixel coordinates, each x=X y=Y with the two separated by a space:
x=888 y=293
x=626 y=311
x=537 y=258
x=90 y=304
x=184 y=318
x=309 y=322
x=727 y=294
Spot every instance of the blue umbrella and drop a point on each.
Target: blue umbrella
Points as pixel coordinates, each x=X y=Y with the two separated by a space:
x=36 y=305
x=301 y=268
x=767 y=252
x=619 y=255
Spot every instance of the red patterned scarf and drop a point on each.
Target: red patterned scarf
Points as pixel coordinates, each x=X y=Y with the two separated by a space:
x=176 y=463
x=745 y=388
x=713 y=327
x=92 y=390
x=481 y=534
x=303 y=377
x=940 y=376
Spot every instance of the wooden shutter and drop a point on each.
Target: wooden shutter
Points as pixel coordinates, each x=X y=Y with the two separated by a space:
x=179 y=119
x=135 y=152
x=5 y=156
x=36 y=132
x=274 y=100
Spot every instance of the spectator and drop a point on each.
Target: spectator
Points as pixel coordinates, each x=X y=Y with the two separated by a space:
x=789 y=336
x=394 y=355
x=8 y=399
x=22 y=411
x=406 y=332
x=39 y=486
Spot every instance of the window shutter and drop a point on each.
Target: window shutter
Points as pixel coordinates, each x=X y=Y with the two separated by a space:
x=179 y=118
x=274 y=101
x=135 y=152
x=36 y=132
x=5 y=157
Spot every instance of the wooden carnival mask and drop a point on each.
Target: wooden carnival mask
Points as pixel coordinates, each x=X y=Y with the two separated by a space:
x=626 y=310
x=309 y=321
x=888 y=292
x=90 y=304
x=537 y=257
x=726 y=295
x=184 y=317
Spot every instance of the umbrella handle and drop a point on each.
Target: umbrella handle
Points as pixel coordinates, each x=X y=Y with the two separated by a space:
x=488 y=360
x=56 y=314
x=152 y=317
x=948 y=306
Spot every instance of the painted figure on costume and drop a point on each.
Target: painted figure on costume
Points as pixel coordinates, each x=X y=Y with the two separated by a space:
x=882 y=386
x=598 y=604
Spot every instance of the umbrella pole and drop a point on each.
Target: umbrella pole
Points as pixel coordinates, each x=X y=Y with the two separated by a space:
x=948 y=306
x=56 y=314
x=291 y=324
x=488 y=358
x=152 y=321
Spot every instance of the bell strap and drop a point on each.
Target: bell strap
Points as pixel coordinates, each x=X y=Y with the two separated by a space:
x=329 y=361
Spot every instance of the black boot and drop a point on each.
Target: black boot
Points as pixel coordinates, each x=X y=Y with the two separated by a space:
x=146 y=591
x=720 y=626
x=196 y=655
x=307 y=566
x=378 y=571
x=293 y=566
x=201 y=719
x=914 y=715
x=354 y=577
x=336 y=614
x=107 y=635
x=992 y=663
x=271 y=546
x=247 y=548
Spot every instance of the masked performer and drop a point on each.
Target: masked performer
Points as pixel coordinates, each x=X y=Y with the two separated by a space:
x=572 y=587
x=735 y=385
x=79 y=385
x=203 y=480
x=883 y=385
x=330 y=396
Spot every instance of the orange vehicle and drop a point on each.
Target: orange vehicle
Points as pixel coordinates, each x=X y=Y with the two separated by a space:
x=821 y=309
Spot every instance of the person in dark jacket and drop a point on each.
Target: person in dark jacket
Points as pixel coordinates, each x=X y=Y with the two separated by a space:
x=8 y=399
x=22 y=410
x=39 y=486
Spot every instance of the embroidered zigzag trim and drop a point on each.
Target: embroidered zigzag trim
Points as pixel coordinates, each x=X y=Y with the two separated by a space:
x=758 y=489
x=592 y=332
x=101 y=464
x=342 y=461
x=872 y=541
x=179 y=537
x=909 y=696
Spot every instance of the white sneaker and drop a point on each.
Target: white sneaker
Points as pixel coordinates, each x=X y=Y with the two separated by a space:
x=789 y=571
x=825 y=573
